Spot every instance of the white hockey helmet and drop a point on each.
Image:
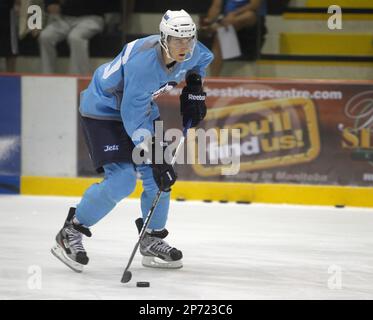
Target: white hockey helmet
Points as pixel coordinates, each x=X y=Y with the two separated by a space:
x=177 y=24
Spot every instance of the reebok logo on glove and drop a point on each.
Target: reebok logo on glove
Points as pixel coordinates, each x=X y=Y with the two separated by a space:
x=196 y=97
x=193 y=100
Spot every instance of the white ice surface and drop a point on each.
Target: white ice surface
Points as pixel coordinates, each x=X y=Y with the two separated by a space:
x=231 y=251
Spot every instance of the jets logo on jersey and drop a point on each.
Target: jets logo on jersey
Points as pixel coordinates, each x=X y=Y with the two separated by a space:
x=164 y=88
x=113 y=147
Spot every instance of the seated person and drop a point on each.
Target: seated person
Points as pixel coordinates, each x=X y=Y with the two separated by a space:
x=246 y=16
x=76 y=21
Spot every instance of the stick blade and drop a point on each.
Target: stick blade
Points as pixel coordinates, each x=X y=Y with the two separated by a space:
x=139 y=224
x=127 y=276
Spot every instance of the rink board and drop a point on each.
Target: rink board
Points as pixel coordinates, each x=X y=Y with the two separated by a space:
x=316 y=141
x=10 y=135
x=218 y=191
x=49 y=126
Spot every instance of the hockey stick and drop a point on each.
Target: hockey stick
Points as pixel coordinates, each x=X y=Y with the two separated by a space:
x=127 y=275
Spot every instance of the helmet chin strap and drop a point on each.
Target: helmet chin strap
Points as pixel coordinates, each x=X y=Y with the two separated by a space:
x=165 y=47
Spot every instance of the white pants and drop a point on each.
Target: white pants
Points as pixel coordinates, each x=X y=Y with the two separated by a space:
x=78 y=31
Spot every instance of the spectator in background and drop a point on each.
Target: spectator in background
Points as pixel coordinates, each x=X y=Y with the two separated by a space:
x=8 y=33
x=77 y=21
x=246 y=16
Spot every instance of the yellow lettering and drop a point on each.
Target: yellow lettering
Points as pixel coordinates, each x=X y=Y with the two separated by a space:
x=365 y=138
x=286 y=121
x=270 y=148
x=244 y=129
x=350 y=140
x=299 y=136
x=255 y=130
x=288 y=142
x=277 y=124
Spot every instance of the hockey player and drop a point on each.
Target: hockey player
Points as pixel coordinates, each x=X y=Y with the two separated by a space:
x=118 y=102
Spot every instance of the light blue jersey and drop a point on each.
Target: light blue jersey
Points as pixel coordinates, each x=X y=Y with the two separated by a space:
x=125 y=88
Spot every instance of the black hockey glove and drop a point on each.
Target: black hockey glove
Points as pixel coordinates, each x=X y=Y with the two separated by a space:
x=192 y=100
x=164 y=176
x=163 y=172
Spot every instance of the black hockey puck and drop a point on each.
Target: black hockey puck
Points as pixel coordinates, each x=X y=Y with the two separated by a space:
x=340 y=206
x=143 y=284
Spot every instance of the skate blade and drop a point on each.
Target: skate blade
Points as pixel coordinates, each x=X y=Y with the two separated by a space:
x=60 y=254
x=154 y=262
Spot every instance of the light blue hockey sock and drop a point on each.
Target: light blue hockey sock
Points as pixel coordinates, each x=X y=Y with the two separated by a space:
x=100 y=198
x=160 y=214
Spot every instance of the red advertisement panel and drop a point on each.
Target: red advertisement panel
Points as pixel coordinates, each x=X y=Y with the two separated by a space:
x=308 y=132
x=282 y=131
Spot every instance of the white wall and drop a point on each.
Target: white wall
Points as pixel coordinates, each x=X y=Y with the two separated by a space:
x=49 y=126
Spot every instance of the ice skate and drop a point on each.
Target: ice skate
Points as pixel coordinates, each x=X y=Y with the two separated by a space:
x=157 y=253
x=69 y=247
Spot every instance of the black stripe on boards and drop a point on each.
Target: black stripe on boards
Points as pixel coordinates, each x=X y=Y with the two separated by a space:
x=325 y=10
x=9 y=187
x=293 y=57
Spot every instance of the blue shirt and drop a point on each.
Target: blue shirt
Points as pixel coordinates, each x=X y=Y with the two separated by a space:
x=232 y=5
x=125 y=88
